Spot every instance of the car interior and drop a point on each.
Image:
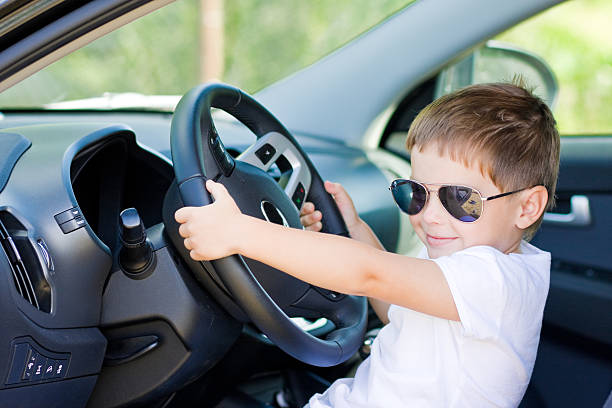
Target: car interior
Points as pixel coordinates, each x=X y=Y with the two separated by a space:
x=102 y=305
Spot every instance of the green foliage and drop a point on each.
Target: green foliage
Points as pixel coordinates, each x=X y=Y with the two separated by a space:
x=158 y=54
x=152 y=55
x=266 y=40
x=574 y=38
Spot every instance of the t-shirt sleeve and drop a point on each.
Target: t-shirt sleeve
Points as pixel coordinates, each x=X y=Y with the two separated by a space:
x=479 y=288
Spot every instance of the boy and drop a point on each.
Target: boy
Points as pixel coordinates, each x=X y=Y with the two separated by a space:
x=465 y=316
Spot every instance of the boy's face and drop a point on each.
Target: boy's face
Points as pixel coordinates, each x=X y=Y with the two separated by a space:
x=443 y=234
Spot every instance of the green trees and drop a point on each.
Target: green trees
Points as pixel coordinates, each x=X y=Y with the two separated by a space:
x=158 y=54
x=266 y=40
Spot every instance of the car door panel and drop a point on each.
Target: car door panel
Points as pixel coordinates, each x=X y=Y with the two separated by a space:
x=574 y=363
x=581 y=271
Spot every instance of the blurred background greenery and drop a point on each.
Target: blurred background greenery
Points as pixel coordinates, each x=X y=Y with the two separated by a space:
x=265 y=40
x=575 y=39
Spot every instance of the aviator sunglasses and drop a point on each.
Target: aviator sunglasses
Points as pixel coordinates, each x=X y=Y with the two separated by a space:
x=462 y=202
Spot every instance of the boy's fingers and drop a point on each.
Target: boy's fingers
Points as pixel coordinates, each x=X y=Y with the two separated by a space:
x=339 y=193
x=329 y=187
x=217 y=190
x=311 y=218
x=182 y=214
x=184 y=231
x=307 y=208
x=333 y=188
x=195 y=256
x=316 y=227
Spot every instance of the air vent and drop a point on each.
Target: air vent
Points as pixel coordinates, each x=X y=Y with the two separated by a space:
x=25 y=263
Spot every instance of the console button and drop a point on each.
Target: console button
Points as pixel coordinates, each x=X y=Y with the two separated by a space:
x=49 y=368
x=67 y=215
x=72 y=225
x=39 y=367
x=265 y=153
x=59 y=370
x=30 y=363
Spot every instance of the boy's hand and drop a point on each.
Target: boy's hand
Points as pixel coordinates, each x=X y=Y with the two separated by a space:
x=311 y=218
x=210 y=231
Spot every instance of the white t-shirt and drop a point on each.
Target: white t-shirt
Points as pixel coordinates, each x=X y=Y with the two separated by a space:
x=485 y=360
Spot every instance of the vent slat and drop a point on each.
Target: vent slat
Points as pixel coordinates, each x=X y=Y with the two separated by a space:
x=31 y=295
x=21 y=276
x=16 y=279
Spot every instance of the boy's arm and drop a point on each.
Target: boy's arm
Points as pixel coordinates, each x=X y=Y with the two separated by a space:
x=364 y=233
x=358 y=230
x=325 y=260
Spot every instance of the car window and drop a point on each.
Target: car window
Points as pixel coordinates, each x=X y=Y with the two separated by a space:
x=575 y=39
x=561 y=54
x=562 y=48
x=249 y=44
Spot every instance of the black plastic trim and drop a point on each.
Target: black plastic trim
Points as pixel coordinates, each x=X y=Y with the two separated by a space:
x=60 y=31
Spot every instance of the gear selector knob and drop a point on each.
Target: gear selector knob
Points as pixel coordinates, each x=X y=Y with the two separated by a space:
x=136 y=253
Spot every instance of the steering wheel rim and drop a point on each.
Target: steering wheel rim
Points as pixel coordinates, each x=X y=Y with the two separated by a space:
x=198 y=154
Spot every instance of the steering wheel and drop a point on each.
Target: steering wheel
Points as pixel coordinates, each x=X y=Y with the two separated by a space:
x=266 y=296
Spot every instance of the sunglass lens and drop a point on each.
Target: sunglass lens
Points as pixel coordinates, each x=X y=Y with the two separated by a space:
x=409 y=196
x=461 y=202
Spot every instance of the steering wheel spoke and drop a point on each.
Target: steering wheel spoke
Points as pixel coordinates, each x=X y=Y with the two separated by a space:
x=275 y=148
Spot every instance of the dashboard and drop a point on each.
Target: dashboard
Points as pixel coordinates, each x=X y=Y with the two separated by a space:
x=75 y=326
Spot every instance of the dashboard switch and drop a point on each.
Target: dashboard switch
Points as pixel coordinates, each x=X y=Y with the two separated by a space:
x=70 y=220
x=67 y=215
x=39 y=367
x=29 y=367
x=49 y=368
x=72 y=225
x=60 y=367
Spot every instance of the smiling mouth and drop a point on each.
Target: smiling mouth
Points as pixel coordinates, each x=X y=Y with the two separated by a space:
x=439 y=241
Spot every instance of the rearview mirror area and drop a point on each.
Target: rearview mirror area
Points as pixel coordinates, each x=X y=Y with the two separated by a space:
x=500 y=62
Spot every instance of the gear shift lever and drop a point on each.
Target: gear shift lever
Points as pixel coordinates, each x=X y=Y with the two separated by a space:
x=136 y=253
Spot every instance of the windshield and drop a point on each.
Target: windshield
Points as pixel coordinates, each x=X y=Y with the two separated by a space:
x=248 y=44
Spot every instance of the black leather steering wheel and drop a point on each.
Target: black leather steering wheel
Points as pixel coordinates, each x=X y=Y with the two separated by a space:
x=266 y=296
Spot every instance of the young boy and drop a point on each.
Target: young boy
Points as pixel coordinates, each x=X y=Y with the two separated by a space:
x=465 y=316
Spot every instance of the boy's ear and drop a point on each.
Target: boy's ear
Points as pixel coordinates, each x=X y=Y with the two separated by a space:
x=533 y=203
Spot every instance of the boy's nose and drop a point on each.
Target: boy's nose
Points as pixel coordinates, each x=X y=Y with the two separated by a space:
x=434 y=212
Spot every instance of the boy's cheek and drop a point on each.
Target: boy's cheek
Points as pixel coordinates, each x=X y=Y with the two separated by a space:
x=415 y=221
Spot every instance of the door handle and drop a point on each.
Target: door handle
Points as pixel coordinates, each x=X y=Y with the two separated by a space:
x=579 y=215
